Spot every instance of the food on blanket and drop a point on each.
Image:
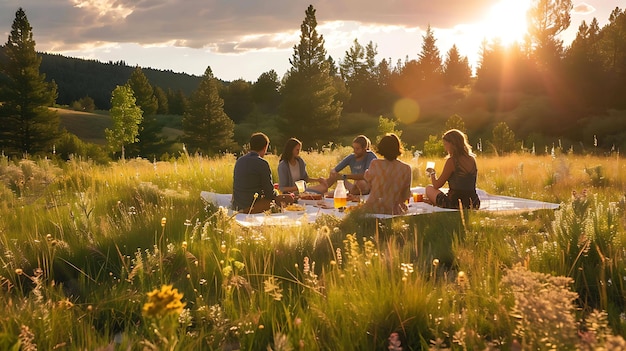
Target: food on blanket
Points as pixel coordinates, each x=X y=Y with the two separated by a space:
x=351 y=198
x=310 y=196
x=274 y=209
x=324 y=205
x=354 y=198
x=352 y=208
x=294 y=208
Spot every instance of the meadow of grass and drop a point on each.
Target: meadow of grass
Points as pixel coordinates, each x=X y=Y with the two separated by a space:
x=127 y=256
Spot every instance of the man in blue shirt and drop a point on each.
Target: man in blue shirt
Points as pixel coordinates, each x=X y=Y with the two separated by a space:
x=253 y=188
x=358 y=161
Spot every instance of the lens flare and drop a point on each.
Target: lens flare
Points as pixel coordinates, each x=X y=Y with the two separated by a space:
x=406 y=110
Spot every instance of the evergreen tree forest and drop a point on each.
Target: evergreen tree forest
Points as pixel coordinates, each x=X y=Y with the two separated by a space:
x=545 y=92
x=27 y=126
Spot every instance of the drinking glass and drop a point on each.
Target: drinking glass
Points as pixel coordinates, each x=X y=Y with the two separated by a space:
x=301 y=184
x=430 y=167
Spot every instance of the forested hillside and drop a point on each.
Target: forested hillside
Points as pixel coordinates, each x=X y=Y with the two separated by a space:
x=77 y=78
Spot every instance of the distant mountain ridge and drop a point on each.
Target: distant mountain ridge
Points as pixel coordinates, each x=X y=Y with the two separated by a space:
x=77 y=78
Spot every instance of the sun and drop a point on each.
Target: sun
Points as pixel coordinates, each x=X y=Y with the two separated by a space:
x=506 y=20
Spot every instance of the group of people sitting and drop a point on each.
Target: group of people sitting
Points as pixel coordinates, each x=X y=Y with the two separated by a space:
x=386 y=180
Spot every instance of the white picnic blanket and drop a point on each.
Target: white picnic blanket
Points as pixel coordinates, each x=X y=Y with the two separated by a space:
x=315 y=208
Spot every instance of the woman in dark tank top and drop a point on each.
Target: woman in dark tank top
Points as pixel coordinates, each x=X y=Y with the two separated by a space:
x=459 y=171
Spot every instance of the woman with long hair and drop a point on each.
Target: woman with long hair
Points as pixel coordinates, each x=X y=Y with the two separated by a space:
x=459 y=171
x=292 y=168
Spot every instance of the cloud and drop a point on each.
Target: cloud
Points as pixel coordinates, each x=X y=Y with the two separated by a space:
x=227 y=26
x=251 y=36
x=583 y=9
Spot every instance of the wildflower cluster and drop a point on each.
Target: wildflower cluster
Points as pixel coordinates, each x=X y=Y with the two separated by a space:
x=213 y=315
x=597 y=334
x=27 y=339
x=308 y=270
x=271 y=286
x=355 y=254
x=162 y=302
x=543 y=308
x=407 y=269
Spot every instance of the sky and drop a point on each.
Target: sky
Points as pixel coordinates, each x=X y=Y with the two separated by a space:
x=241 y=39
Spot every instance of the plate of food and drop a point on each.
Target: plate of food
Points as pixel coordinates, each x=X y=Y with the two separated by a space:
x=354 y=198
x=310 y=196
x=295 y=208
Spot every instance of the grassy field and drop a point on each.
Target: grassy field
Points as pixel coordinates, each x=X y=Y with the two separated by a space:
x=127 y=256
x=89 y=127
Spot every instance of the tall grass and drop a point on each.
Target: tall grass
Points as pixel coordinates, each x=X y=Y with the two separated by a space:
x=127 y=255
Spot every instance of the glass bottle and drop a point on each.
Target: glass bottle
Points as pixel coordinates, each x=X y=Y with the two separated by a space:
x=277 y=189
x=340 y=197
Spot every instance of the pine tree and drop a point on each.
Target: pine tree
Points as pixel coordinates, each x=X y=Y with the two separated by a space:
x=207 y=128
x=503 y=139
x=27 y=125
x=265 y=92
x=613 y=55
x=429 y=63
x=584 y=67
x=149 y=129
x=360 y=72
x=546 y=20
x=143 y=92
x=456 y=69
x=238 y=100
x=490 y=67
x=177 y=102
x=310 y=106
x=161 y=97
x=126 y=117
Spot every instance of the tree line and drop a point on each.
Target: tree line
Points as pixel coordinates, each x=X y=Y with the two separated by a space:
x=571 y=86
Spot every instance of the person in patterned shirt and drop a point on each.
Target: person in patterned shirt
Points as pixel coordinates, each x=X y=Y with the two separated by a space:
x=389 y=178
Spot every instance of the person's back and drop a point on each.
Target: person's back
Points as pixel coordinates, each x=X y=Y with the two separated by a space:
x=390 y=182
x=464 y=175
x=389 y=178
x=251 y=176
x=462 y=183
x=460 y=171
x=253 y=188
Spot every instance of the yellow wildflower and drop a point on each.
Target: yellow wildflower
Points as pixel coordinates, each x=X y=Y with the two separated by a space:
x=163 y=302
